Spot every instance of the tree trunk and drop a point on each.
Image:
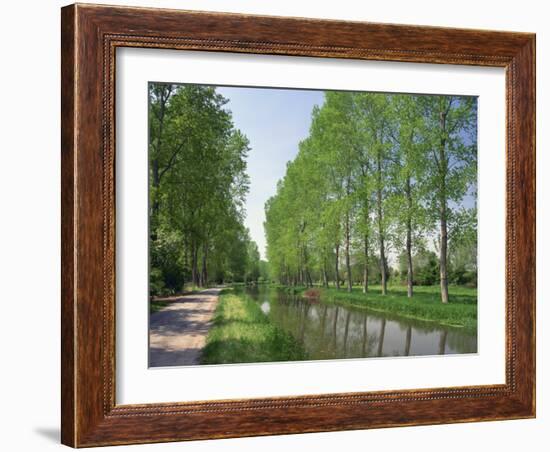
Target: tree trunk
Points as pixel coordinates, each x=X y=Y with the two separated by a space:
x=366 y=266
x=156 y=184
x=194 y=264
x=348 y=263
x=409 y=239
x=309 y=281
x=204 y=276
x=185 y=257
x=443 y=258
x=383 y=274
x=443 y=212
x=287 y=276
x=155 y=205
x=337 y=274
x=303 y=269
x=155 y=165
x=325 y=275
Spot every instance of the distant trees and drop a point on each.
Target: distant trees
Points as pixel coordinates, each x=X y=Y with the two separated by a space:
x=198 y=183
x=264 y=271
x=378 y=173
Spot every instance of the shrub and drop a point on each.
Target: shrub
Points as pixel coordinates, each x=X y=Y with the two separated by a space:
x=312 y=293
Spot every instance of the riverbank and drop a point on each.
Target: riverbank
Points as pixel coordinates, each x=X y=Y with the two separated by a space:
x=242 y=333
x=461 y=311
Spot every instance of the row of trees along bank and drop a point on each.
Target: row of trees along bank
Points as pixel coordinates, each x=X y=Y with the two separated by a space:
x=198 y=183
x=379 y=175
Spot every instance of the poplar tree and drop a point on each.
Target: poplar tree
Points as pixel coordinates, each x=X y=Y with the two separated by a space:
x=450 y=129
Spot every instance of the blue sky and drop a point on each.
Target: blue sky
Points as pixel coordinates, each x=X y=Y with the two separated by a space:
x=275 y=121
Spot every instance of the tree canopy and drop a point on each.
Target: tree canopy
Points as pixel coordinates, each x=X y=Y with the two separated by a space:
x=381 y=191
x=198 y=184
x=379 y=175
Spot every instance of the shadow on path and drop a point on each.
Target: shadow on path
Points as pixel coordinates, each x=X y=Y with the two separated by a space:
x=177 y=333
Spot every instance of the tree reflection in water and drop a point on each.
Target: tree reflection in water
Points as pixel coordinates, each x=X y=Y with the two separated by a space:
x=329 y=331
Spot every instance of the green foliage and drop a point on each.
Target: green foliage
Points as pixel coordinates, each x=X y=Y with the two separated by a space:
x=449 y=129
x=426 y=267
x=264 y=271
x=242 y=333
x=463 y=248
x=166 y=274
x=198 y=184
x=377 y=175
x=156 y=282
x=253 y=262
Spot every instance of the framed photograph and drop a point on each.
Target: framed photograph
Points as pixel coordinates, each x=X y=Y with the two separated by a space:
x=281 y=225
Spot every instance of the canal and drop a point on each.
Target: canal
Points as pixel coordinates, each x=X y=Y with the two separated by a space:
x=330 y=331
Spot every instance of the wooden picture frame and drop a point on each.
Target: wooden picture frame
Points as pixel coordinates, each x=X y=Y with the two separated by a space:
x=90 y=35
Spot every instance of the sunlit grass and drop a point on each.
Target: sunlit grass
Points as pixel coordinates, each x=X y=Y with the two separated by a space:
x=242 y=333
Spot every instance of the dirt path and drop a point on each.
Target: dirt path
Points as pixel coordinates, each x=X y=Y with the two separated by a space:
x=177 y=333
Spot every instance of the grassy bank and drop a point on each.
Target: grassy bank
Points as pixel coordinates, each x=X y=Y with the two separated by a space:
x=461 y=311
x=242 y=333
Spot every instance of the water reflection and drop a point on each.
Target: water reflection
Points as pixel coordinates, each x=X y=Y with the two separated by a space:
x=333 y=331
x=265 y=307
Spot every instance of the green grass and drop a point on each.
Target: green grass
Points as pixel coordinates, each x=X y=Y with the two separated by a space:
x=461 y=311
x=242 y=333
